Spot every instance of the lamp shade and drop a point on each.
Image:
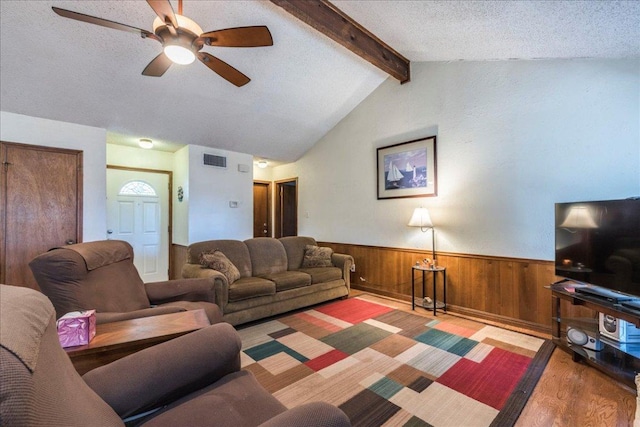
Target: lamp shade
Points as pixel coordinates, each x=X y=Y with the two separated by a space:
x=420 y=218
x=579 y=217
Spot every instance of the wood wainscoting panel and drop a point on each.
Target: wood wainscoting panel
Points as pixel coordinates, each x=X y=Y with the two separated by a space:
x=178 y=259
x=508 y=290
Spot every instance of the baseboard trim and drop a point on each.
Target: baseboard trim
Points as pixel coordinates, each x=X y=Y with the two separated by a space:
x=377 y=291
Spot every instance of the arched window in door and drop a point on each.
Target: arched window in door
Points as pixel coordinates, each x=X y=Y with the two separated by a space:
x=137 y=188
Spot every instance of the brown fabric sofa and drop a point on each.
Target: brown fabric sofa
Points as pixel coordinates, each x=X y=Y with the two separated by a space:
x=272 y=277
x=101 y=275
x=194 y=380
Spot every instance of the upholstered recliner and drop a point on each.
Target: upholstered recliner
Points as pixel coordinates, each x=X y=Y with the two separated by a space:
x=101 y=275
x=193 y=380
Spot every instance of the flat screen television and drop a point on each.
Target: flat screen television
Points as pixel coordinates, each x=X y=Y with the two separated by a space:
x=598 y=243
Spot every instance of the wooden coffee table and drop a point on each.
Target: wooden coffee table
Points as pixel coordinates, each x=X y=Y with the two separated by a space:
x=118 y=339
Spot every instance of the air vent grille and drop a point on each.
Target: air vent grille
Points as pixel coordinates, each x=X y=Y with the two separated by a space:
x=213 y=160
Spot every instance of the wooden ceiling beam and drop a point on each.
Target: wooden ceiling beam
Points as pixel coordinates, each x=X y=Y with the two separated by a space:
x=337 y=25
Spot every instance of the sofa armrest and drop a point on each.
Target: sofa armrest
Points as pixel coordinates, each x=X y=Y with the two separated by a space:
x=221 y=284
x=343 y=262
x=163 y=373
x=181 y=290
x=315 y=414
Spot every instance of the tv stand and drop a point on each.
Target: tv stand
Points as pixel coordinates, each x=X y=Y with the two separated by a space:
x=616 y=360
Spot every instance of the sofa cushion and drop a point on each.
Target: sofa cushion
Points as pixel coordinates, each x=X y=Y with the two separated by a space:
x=294 y=247
x=216 y=260
x=250 y=287
x=235 y=250
x=267 y=256
x=315 y=256
x=289 y=280
x=323 y=274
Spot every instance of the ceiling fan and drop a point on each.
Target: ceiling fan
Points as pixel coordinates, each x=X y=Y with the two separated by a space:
x=182 y=40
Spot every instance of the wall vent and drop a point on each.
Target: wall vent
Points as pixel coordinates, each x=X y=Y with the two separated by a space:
x=213 y=160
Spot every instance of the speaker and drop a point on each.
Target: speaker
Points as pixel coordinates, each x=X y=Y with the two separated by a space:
x=618 y=329
x=584 y=339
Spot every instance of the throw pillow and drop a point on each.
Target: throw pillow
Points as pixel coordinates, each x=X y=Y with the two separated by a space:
x=315 y=256
x=218 y=261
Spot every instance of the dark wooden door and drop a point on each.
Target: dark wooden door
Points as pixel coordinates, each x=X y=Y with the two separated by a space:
x=40 y=206
x=287 y=208
x=261 y=209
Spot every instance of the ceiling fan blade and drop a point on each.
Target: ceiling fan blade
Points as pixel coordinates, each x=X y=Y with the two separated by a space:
x=225 y=70
x=163 y=9
x=239 y=37
x=103 y=22
x=158 y=66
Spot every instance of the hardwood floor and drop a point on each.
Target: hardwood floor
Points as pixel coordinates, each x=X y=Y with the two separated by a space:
x=568 y=394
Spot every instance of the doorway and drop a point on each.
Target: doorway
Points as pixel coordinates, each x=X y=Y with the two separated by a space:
x=139 y=212
x=286 y=215
x=262 y=209
x=40 y=206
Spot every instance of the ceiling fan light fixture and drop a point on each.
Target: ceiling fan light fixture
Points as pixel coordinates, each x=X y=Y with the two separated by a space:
x=179 y=54
x=178 y=48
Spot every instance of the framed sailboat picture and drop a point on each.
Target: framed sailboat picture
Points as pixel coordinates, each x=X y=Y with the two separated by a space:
x=407 y=169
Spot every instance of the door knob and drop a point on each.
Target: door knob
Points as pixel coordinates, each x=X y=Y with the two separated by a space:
x=70 y=242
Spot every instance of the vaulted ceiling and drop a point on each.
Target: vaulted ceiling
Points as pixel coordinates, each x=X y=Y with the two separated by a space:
x=300 y=87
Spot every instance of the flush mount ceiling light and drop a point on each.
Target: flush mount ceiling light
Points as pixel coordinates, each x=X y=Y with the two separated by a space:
x=145 y=143
x=182 y=40
x=262 y=164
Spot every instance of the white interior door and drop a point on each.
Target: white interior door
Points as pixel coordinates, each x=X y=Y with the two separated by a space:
x=138 y=212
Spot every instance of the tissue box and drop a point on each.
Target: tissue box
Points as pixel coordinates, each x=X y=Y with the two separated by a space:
x=76 y=328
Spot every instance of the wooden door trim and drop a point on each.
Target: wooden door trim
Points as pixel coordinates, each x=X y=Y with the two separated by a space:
x=4 y=145
x=170 y=220
x=278 y=209
x=270 y=213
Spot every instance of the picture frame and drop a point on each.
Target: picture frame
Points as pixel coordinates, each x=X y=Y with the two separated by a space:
x=407 y=169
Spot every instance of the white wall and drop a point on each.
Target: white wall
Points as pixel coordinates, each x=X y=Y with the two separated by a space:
x=212 y=189
x=204 y=212
x=92 y=141
x=262 y=174
x=514 y=137
x=181 y=208
x=133 y=157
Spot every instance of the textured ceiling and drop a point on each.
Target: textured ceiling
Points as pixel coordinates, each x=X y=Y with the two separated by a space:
x=301 y=87
x=501 y=30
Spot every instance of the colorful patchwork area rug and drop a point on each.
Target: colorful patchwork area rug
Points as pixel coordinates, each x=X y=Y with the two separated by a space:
x=385 y=367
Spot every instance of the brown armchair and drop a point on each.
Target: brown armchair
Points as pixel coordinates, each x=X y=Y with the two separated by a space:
x=194 y=380
x=101 y=275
